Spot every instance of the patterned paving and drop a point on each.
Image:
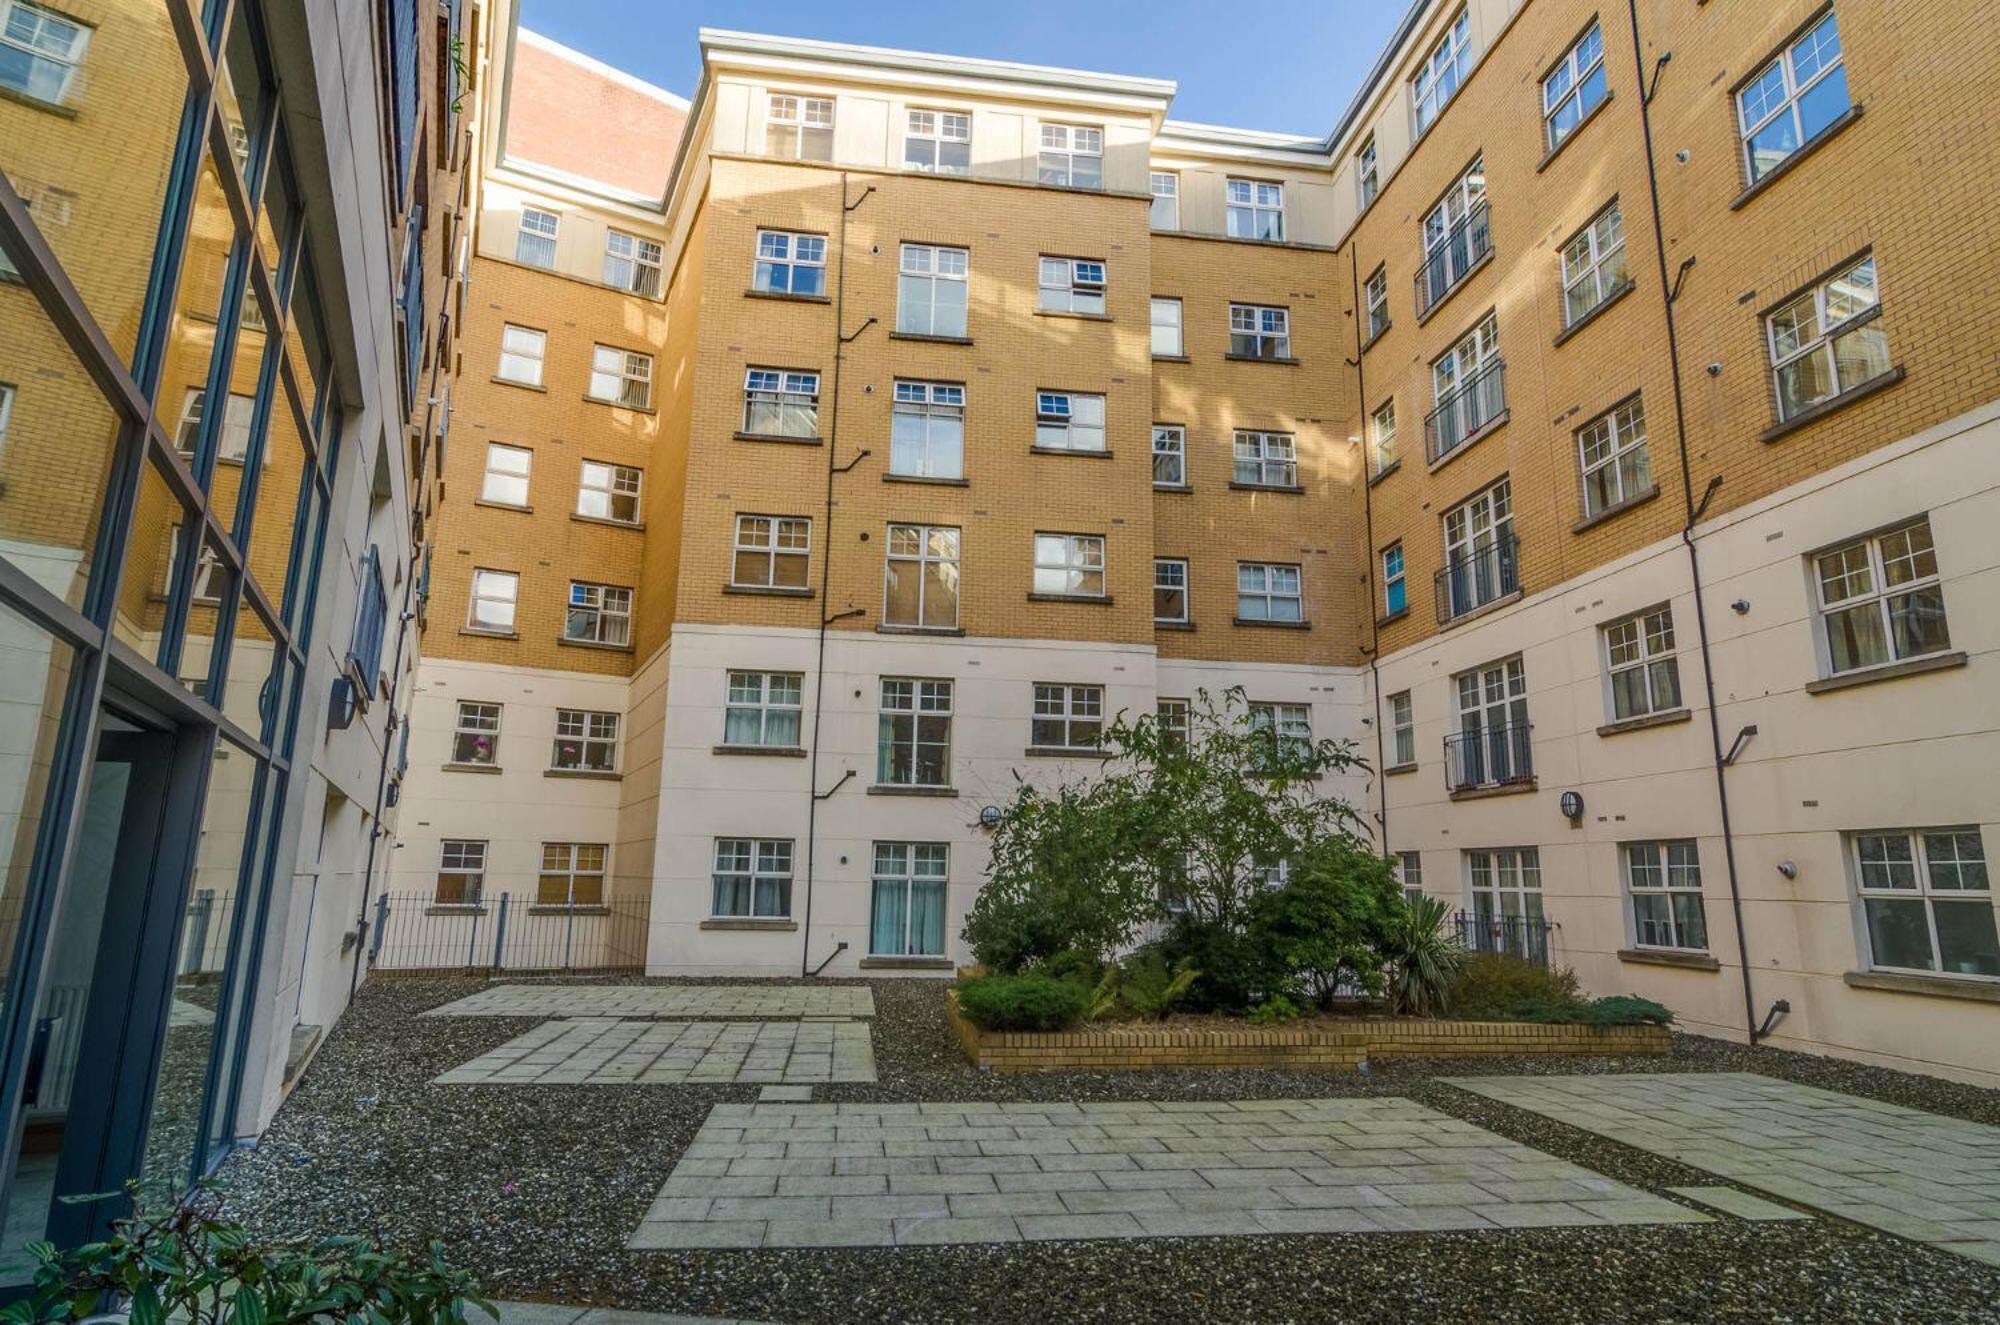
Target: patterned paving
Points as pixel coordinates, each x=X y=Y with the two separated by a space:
x=607 y=1051
x=720 y=1002
x=1914 y=1174
x=769 y=1175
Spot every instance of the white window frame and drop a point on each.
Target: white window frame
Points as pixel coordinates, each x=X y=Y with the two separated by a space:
x=1165 y=186
x=1410 y=873
x=1509 y=886
x=1289 y=724
x=1818 y=322
x=1382 y=437
x=1254 y=209
x=606 y=607
x=1069 y=421
x=1666 y=874
x=1170 y=454
x=476 y=720
x=1395 y=575
x=535 y=242
x=65 y=62
x=1593 y=264
x=1367 y=174
x=1262 y=584
x=777 y=541
x=1175 y=718
x=1071 y=156
x=780 y=402
x=904 y=705
x=1441 y=74
x=1402 y=730
x=1615 y=466
x=519 y=363
x=1260 y=331
x=501 y=474
x=486 y=584
x=1173 y=327
x=6 y=413
x=775 y=700
x=1920 y=852
x=1076 y=711
x=1861 y=569
x=594 y=733
x=1170 y=577
x=1480 y=525
x=938 y=129
x=572 y=862
x=923 y=563
x=1375 y=296
x=461 y=856
x=901 y=867
x=806 y=121
x=1641 y=646
x=1071 y=285
x=1264 y=459
x=925 y=273
x=764 y=865
x=621 y=377
x=1789 y=90
x=930 y=416
x=602 y=486
x=793 y=253
x=632 y=263
x=237 y=417
x=1069 y=565
x=1568 y=93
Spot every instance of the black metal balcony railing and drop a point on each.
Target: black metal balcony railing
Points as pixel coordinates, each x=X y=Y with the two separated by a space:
x=1489 y=757
x=1465 y=247
x=1526 y=937
x=1471 y=582
x=1469 y=407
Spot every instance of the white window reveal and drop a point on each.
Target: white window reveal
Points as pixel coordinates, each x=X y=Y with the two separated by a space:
x=778 y=402
x=753 y=878
x=1829 y=340
x=790 y=263
x=920 y=580
x=1259 y=332
x=771 y=552
x=763 y=709
x=608 y=492
x=494 y=593
x=1612 y=450
x=1266 y=460
x=1640 y=666
x=1927 y=901
x=1441 y=72
x=1792 y=100
x=939 y=141
x=41 y=51
x=1169 y=456
x=1072 y=156
x=1069 y=421
x=632 y=263
x=1255 y=209
x=586 y=741
x=598 y=614
x=1170 y=590
x=1067 y=717
x=1663 y=880
x=1071 y=285
x=799 y=128
x=1881 y=600
x=535 y=246
x=1574 y=88
x=1268 y=591
x=1166 y=213
x=931 y=291
x=505 y=482
x=927 y=430
x=1168 y=342
x=521 y=353
x=621 y=377
x=1069 y=565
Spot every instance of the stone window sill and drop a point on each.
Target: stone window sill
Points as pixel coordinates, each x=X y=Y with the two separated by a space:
x=1557 y=150
x=766 y=751
x=1484 y=609
x=780 y=438
x=1487 y=793
x=1064 y=450
x=1597 y=311
x=1937 y=662
x=772 y=923
x=638 y=526
x=1936 y=986
x=787 y=297
x=922 y=478
x=1666 y=719
x=955 y=632
x=1234 y=486
x=1493 y=425
x=1095 y=600
x=1065 y=752
x=906 y=964
x=1427 y=314
x=934 y=340
x=524 y=386
x=1394 y=770
x=1181 y=488
x=1262 y=358
x=618 y=404
x=767 y=591
x=1375 y=335
x=564 y=641
x=37 y=103
x=488 y=634
x=898 y=789
x=1806 y=149
x=1391 y=618
x=1609 y=512
x=1173 y=625
x=1255 y=622
x=502 y=506
x=1171 y=358
x=1080 y=317
x=471 y=768
x=1384 y=472
x=586 y=774
x=1813 y=414
x=1686 y=961
x=566 y=909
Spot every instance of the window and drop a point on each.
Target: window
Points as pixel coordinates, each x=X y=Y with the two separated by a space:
x=621 y=377
x=789 y=263
x=598 y=614
x=799 y=128
x=505 y=482
x=461 y=878
x=1169 y=456
x=913 y=740
x=1069 y=421
x=236 y=419
x=536 y=243
x=771 y=552
x=1166 y=186
x=907 y=917
x=1640 y=666
x=1175 y=717
x=608 y=492
x=1069 y=564
x=1663 y=880
x=1470 y=387
x=1574 y=88
x=1367 y=174
x=1256 y=332
x=1506 y=887
x=6 y=412
x=1072 y=156
x=764 y=709
x=921 y=579
x=1612 y=450
x=939 y=140
x=585 y=741
x=1927 y=901
x=1167 y=339
x=1267 y=460
x=1828 y=340
x=209 y=577
x=780 y=403
x=927 y=430
x=1376 y=295
x=1410 y=869
x=40 y=51
x=475 y=738
x=1457 y=238
x=521 y=353
x=1071 y=285
x=1594 y=265
x=753 y=877
x=1382 y=437
x=931 y=291
x=1067 y=717
x=1267 y=591
x=1402 y=730
x=572 y=874
x=1880 y=600
x=493 y=596
x=1255 y=209
x=1395 y=585
x=1288 y=727
x=1170 y=590
x=1792 y=100
x=632 y=263
x=1491 y=746
x=1479 y=552
x=1442 y=71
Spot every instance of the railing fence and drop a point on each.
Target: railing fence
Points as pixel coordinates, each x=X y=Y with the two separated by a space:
x=413 y=932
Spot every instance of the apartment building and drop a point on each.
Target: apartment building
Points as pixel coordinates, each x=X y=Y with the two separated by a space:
x=1587 y=427
x=225 y=332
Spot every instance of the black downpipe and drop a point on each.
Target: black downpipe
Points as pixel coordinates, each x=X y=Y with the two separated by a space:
x=1693 y=512
x=1372 y=563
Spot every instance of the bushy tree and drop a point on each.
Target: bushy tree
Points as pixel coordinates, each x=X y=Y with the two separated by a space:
x=1325 y=928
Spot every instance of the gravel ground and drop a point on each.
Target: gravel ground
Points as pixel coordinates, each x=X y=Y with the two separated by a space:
x=537 y=1187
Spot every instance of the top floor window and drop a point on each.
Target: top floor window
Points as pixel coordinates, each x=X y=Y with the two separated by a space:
x=1072 y=155
x=1257 y=332
x=1881 y=600
x=40 y=51
x=931 y=291
x=1442 y=71
x=1166 y=186
x=632 y=263
x=1574 y=88
x=1256 y=209
x=799 y=128
x=1792 y=100
x=939 y=140
x=1828 y=340
x=1367 y=174
x=536 y=244
x=1071 y=285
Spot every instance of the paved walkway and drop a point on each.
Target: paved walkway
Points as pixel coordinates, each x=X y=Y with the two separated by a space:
x=544 y=1313
x=768 y=1175
x=607 y=1051
x=1914 y=1174
x=715 y=1001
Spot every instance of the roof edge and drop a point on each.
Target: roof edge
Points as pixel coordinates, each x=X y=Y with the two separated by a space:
x=752 y=43
x=528 y=36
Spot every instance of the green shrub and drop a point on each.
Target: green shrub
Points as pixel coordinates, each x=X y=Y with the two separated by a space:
x=1144 y=986
x=1493 y=986
x=1030 y=1002
x=1074 y=965
x=1236 y=972
x=1277 y=1008
x=1423 y=956
x=1617 y=1010
x=1324 y=927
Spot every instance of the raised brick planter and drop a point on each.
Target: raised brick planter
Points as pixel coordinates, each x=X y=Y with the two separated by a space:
x=1133 y=1047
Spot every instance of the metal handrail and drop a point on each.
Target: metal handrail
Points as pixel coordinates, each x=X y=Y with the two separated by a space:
x=1489 y=757
x=1469 y=583
x=1464 y=247
x=1467 y=408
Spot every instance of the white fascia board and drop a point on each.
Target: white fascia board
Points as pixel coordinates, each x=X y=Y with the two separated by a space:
x=1210 y=142
x=583 y=189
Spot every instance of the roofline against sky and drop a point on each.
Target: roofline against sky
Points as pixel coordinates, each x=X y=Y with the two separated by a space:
x=757 y=43
x=610 y=73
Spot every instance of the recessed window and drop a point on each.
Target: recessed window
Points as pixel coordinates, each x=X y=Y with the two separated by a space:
x=40 y=51
x=1443 y=69
x=505 y=482
x=1367 y=174
x=1828 y=340
x=1067 y=717
x=1481 y=559
x=913 y=739
x=1269 y=591
x=1255 y=209
x=931 y=290
x=1491 y=747
x=1640 y=666
x=1663 y=881
x=939 y=141
x=1375 y=294
x=1469 y=386
x=1792 y=99
x=780 y=403
x=1169 y=456
x=1880 y=599
x=1574 y=88
x=1593 y=263
x=237 y=415
x=475 y=734
x=461 y=876
x=1170 y=590
x=598 y=614
x=1457 y=237
x=927 y=430
x=799 y=128
x=621 y=377
x=1266 y=459
x=790 y=263
x=906 y=911
x=1287 y=728
x=494 y=593
x=1070 y=564
x=1382 y=436
x=771 y=552
x=572 y=874
x=1166 y=213
x=1402 y=730
x=1260 y=332
x=1927 y=901
x=1072 y=156
x=753 y=878
x=1071 y=285
x=585 y=741
x=1410 y=871
x=535 y=245
x=1506 y=889
x=632 y=263
x=1612 y=451
x=1395 y=582
x=1069 y=421
x=1175 y=717
x=608 y=492
x=920 y=580
x=1167 y=339
x=763 y=709
x=521 y=354
x=6 y=413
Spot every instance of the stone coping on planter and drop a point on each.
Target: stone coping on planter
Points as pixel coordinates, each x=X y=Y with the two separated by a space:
x=1331 y=1046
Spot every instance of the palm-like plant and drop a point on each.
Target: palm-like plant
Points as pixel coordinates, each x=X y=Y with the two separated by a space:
x=1423 y=957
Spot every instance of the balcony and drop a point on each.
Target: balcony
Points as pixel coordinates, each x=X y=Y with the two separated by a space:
x=1526 y=937
x=1486 y=757
x=1469 y=583
x=1466 y=411
x=1469 y=243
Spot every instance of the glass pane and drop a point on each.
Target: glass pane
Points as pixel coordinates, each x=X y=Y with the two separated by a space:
x=208 y=598
x=273 y=512
x=1898 y=934
x=153 y=557
x=1966 y=938
x=195 y=330
x=1854 y=637
x=248 y=687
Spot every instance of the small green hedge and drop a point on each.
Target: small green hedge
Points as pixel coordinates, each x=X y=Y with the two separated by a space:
x=1617 y=1010
x=1030 y=1002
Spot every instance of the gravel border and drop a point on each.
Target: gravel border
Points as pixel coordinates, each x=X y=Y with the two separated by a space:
x=537 y=1187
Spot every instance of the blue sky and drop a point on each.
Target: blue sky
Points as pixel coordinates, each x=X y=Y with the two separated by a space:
x=1292 y=72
